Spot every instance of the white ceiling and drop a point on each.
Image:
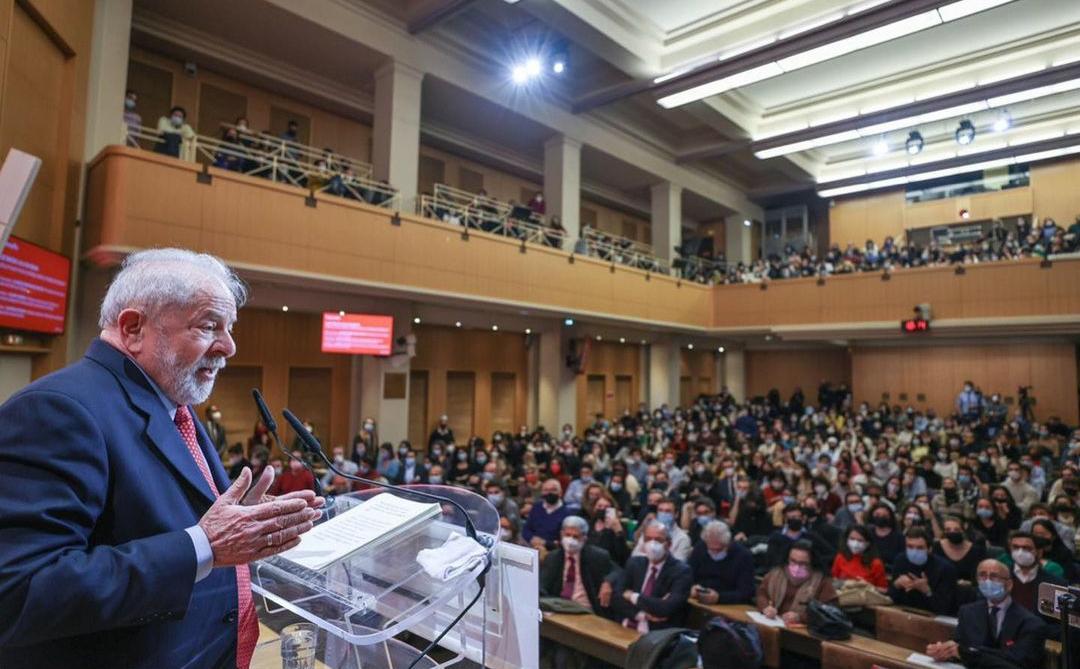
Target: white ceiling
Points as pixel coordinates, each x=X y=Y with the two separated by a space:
x=671 y=15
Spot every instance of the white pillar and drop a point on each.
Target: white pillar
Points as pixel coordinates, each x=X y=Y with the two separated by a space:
x=108 y=76
x=737 y=237
x=391 y=414
x=550 y=367
x=666 y=204
x=735 y=373
x=396 y=130
x=663 y=373
x=562 y=184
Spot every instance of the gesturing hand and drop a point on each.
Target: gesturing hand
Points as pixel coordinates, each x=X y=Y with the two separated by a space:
x=257 y=493
x=239 y=534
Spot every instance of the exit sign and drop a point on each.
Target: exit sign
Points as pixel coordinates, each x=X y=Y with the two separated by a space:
x=913 y=325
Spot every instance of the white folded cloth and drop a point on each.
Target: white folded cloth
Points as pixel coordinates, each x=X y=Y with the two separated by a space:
x=458 y=555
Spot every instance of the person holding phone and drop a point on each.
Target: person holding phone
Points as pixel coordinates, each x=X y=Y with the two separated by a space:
x=723 y=570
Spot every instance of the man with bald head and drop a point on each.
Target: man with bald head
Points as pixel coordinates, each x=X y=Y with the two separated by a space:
x=122 y=543
x=994 y=627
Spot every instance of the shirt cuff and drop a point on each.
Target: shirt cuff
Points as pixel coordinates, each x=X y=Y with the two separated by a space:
x=634 y=597
x=204 y=555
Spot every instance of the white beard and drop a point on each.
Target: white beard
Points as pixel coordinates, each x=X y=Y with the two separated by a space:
x=182 y=385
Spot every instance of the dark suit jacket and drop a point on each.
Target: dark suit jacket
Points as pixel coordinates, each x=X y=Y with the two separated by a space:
x=96 y=488
x=669 y=596
x=1021 y=639
x=596 y=565
x=941 y=577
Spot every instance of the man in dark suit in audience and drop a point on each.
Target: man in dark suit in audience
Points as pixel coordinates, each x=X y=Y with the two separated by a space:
x=995 y=631
x=923 y=580
x=723 y=569
x=578 y=571
x=655 y=587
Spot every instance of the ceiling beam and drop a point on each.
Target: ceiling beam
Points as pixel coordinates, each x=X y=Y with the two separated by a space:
x=437 y=14
x=1006 y=86
x=843 y=28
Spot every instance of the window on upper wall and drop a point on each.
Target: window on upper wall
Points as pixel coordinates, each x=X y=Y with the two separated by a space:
x=469 y=180
x=970 y=183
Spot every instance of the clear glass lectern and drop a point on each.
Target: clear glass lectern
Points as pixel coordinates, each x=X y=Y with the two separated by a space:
x=367 y=598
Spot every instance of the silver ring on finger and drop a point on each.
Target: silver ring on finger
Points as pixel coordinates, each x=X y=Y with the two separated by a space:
x=269 y=540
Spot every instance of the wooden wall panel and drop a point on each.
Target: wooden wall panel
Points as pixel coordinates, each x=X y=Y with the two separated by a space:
x=418 y=407
x=461 y=404
x=594 y=397
x=698 y=369
x=499 y=363
x=232 y=395
x=609 y=361
x=279 y=343
x=310 y=392
x=1055 y=191
x=854 y=220
x=938 y=373
x=802 y=368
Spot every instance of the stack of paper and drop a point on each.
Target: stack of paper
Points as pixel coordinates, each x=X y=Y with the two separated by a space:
x=363 y=526
x=761 y=619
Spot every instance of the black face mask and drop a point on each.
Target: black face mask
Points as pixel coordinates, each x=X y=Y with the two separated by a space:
x=551 y=498
x=882 y=521
x=794 y=524
x=955 y=537
x=1042 y=543
x=950 y=494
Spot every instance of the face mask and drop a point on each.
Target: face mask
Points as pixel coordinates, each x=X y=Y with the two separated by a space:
x=481 y=459
x=992 y=590
x=655 y=550
x=798 y=572
x=788 y=499
x=729 y=471
x=820 y=490
x=964 y=479
x=571 y=545
x=551 y=498
x=856 y=546
x=1014 y=475
x=409 y=462
x=616 y=487
x=241 y=126
x=882 y=521
x=129 y=103
x=368 y=427
x=436 y=479
x=215 y=416
x=1024 y=558
x=855 y=508
x=916 y=556
x=703 y=520
x=505 y=534
x=461 y=456
x=665 y=517
x=278 y=469
x=176 y=120
x=719 y=555
x=338 y=458
x=955 y=537
x=794 y=524
x=984 y=513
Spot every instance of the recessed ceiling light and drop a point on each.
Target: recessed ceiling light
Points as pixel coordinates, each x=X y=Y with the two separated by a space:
x=341 y=313
x=690 y=346
x=622 y=340
x=644 y=341
x=416 y=320
x=720 y=349
x=284 y=307
x=568 y=322
x=494 y=328
x=746 y=222
x=599 y=338
x=528 y=330
x=457 y=324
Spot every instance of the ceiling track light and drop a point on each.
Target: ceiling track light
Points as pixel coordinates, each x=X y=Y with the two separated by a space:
x=914 y=143
x=1003 y=122
x=965 y=133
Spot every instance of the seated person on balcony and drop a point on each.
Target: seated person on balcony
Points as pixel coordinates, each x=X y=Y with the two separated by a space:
x=320 y=177
x=488 y=215
x=132 y=118
x=537 y=204
x=995 y=626
x=174 y=131
x=228 y=157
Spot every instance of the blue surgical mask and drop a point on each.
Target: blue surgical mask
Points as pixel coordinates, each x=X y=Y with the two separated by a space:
x=916 y=556
x=665 y=518
x=992 y=590
x=718 y=556
x=703 y=520
x=855 y=508
x=984 y=513
x=435 y=479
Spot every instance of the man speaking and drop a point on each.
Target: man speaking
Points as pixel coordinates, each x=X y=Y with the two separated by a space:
x=121 y=542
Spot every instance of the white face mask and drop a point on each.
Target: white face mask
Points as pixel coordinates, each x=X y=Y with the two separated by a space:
x=571 y=545
x=856 y=547
x=177 y=120
x=655 y=550
x=1024 y=558
x=505 y=534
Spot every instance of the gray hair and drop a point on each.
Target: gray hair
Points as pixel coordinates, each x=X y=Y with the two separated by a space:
x=576 y=522
x=717 y=529
x=157 y=278
x=657 y=524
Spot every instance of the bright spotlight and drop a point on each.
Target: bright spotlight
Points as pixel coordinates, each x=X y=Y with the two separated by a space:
x=881 y=147
x=746 y=222
x=558 y=67
x=1003 y=122
x=965 y=133
x=914 y=143
x=568 y=322
x=533 y=66
x=519 y=74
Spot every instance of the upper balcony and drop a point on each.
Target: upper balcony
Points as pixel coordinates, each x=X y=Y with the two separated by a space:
x=280 y=228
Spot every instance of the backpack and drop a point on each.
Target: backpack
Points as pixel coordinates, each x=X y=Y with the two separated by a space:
x=663 y=649
x=729 y=644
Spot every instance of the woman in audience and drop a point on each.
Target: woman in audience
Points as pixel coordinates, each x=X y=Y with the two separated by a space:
x=989 y=524
x=606 y=530
x=856 y=559
x=787 y=589
x=387 y=465
x=1005 y=507
x=958 y=548
x=749 y=515
x=1052 y=550
x=461 y=467
x=888 y=541
x=950 y=502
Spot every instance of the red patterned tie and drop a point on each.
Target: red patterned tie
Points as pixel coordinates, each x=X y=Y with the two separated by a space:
x=570 y=582
x=248 y=626
x=650 y=582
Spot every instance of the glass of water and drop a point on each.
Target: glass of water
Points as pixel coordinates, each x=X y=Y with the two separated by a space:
x=298 y=646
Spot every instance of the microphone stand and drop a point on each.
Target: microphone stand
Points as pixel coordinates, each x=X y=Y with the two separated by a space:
x=271 y=426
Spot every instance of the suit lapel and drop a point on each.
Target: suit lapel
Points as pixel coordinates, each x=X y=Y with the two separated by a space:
x=160 y=430
x=1009 y=624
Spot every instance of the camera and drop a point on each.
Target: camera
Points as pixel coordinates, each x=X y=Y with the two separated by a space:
x=191 y=69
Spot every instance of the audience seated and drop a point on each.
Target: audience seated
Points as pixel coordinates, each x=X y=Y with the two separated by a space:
x=921 y=579
x=723 y=569
x=541 y=528
x=788 y=588
x=857 y=560
x=993 y=626
x=654 y=588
